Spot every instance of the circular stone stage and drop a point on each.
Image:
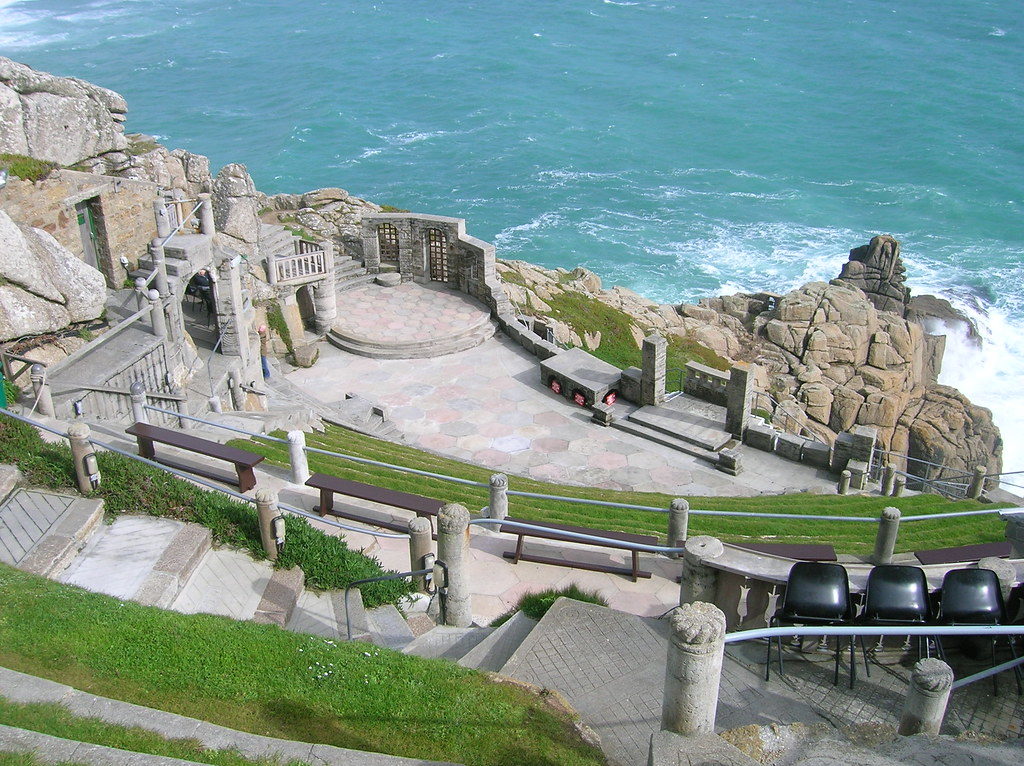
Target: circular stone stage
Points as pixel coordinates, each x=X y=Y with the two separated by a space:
x=410 y=321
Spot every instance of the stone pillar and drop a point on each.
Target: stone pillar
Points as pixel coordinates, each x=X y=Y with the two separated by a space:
x=678 y=524
x=419 y=547
x=138 y=393
x=694 y=669
x=156 y=314
x=899 y=484
x=266 y=506
x=325 y=299
x=297 y=457
x=160 y=267
x=235 y=389
x=885 y=540
x=699 y=580
x=652 y=375
x=452 y=549
x=41 y=391
x=163 y=220
x=925 y=706
x=1005 y=571
x=230 y=306
x=1015 y=534
x=206 y=225
x=371 y=247
x=977 y=482
x=78 y=436
x=862 y=443
x=737 y=398
x=140 y=292
x=497 y=508
x=888 y=479
x=843 y=487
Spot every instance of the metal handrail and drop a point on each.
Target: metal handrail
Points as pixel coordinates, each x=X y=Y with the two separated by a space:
x=367 y=581
x=106 y=337
x=122 y=392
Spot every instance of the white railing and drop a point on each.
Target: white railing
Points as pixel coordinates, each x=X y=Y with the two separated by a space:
x=309 y=262
x=182 y=214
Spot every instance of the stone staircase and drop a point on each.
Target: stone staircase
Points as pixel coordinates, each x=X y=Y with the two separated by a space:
x=469 y=337
x=684 y=423
x=276 y=241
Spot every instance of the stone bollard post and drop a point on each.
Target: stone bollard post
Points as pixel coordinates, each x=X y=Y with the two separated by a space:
x=678 y=524
x=235 y=389
x=297 y=457
x=266 y=506
x=699 y=581
x=1015 y=534
x=156 y=314
x=206 y=225
x=160 y=266
x=498 y=505
x=138 y=393
x=927 y=696
x=888 y=479
x=898 y=486
x=843 y=488
x=977 y=483
x=694 y=669
x=419 y=547
x=452 y=549
x=885 y=540
x=81 y=449
x=140 y=292
x=163 y=221
x=41 y=391
x=215 y=405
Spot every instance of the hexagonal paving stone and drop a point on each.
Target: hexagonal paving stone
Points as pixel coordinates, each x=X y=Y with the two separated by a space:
x=491 y=458
x=458 y=428
x=510 y=444
x=437 y=441
x=473 y=442
x=550 y=444
x=607 y=460
x=515 y=418
x=443 y=415
x=548 y=472
x=407 y=413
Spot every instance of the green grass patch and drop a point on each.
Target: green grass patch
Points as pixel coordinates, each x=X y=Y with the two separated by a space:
x=275 y=320
x=26 y=168
x=268 y=681
x=847 y=537
x=536 y=605
x=58 y=721
x=129 y=486
x=28 y=759
x=392 y=209
x=137 y=145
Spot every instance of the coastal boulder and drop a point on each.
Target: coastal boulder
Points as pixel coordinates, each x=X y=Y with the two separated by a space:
x=235 y=210
x=57 y=119
x=876 y=269
x=43 y=286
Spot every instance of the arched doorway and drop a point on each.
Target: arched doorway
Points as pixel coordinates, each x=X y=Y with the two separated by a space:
x=387 y=241
x=437 y=255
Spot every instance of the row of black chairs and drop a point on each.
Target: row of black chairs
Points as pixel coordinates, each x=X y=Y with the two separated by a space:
x=819 y=594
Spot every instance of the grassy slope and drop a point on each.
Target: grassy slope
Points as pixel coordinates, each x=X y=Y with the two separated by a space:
x=268 y=681
x=847 y=537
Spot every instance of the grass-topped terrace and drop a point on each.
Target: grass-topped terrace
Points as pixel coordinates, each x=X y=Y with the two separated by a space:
x=265 y=680
x=847 y=537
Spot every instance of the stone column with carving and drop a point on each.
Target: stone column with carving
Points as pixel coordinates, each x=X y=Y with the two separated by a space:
x=206 y=222
x=453 y=550
x=738 y=392
x=371 y=245
x=885 y=539
x=925 y=706
x=325 y=299
x=699 y=579
x=652 y=376
x=230 y=311
x=694 y=669
x=498 y=505
x=678 y=524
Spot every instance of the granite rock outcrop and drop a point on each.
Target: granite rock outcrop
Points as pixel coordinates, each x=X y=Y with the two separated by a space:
x=57 y=119
x=325 y=214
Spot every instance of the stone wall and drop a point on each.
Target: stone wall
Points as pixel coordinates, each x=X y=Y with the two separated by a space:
x=125 y=223
x=467 y=264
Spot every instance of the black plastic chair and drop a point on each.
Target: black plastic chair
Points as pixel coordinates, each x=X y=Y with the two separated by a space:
x=896 y=594
x=816 y=594
x=973 y=597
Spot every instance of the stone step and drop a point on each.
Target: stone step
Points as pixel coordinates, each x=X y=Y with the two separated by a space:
x=467 y=339
x=445 y=642
x=46 y=748
x=353 y=282
x=42 y=532
x=658 y=437
x=10 y=477
x=495 y=650
x=388 y=628
x=685 y=426
x=228 y=583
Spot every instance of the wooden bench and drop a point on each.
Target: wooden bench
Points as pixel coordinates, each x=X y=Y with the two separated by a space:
x=554 y=532
x=331 y=485
x=964 y=553
x=146 y=435
x=798 y=551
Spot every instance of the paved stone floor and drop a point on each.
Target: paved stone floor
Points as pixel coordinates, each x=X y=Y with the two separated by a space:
x=407 y=313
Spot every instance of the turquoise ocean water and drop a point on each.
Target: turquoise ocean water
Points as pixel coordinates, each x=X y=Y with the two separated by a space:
x=682 y=149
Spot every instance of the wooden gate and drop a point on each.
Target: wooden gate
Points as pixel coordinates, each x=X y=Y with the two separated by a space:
x=387 y=241
x=437 y=255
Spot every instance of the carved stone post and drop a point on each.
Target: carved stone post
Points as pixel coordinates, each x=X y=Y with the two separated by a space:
x=41 y=391
x=297 y=457
x=498 y=505
x=163 y=221
x=678 y=524
x=156 y=314
x=160 y=266
x=206 y=225
x=694 y=669
x=452 y=549
x=925 y=706
x=138 y=393
x=78 y=437
x=652 y=374
x=898 y=485
x=737 y=398
x=977 y=483
x=266 y=506
x=419 y=547
x=885 y=540
x=843 y=488
x=235 y=389
x=325 y=299
x=699 y=580
x=888 y=479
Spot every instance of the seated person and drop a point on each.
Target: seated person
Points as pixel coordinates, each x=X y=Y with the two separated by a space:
x=202 y=285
